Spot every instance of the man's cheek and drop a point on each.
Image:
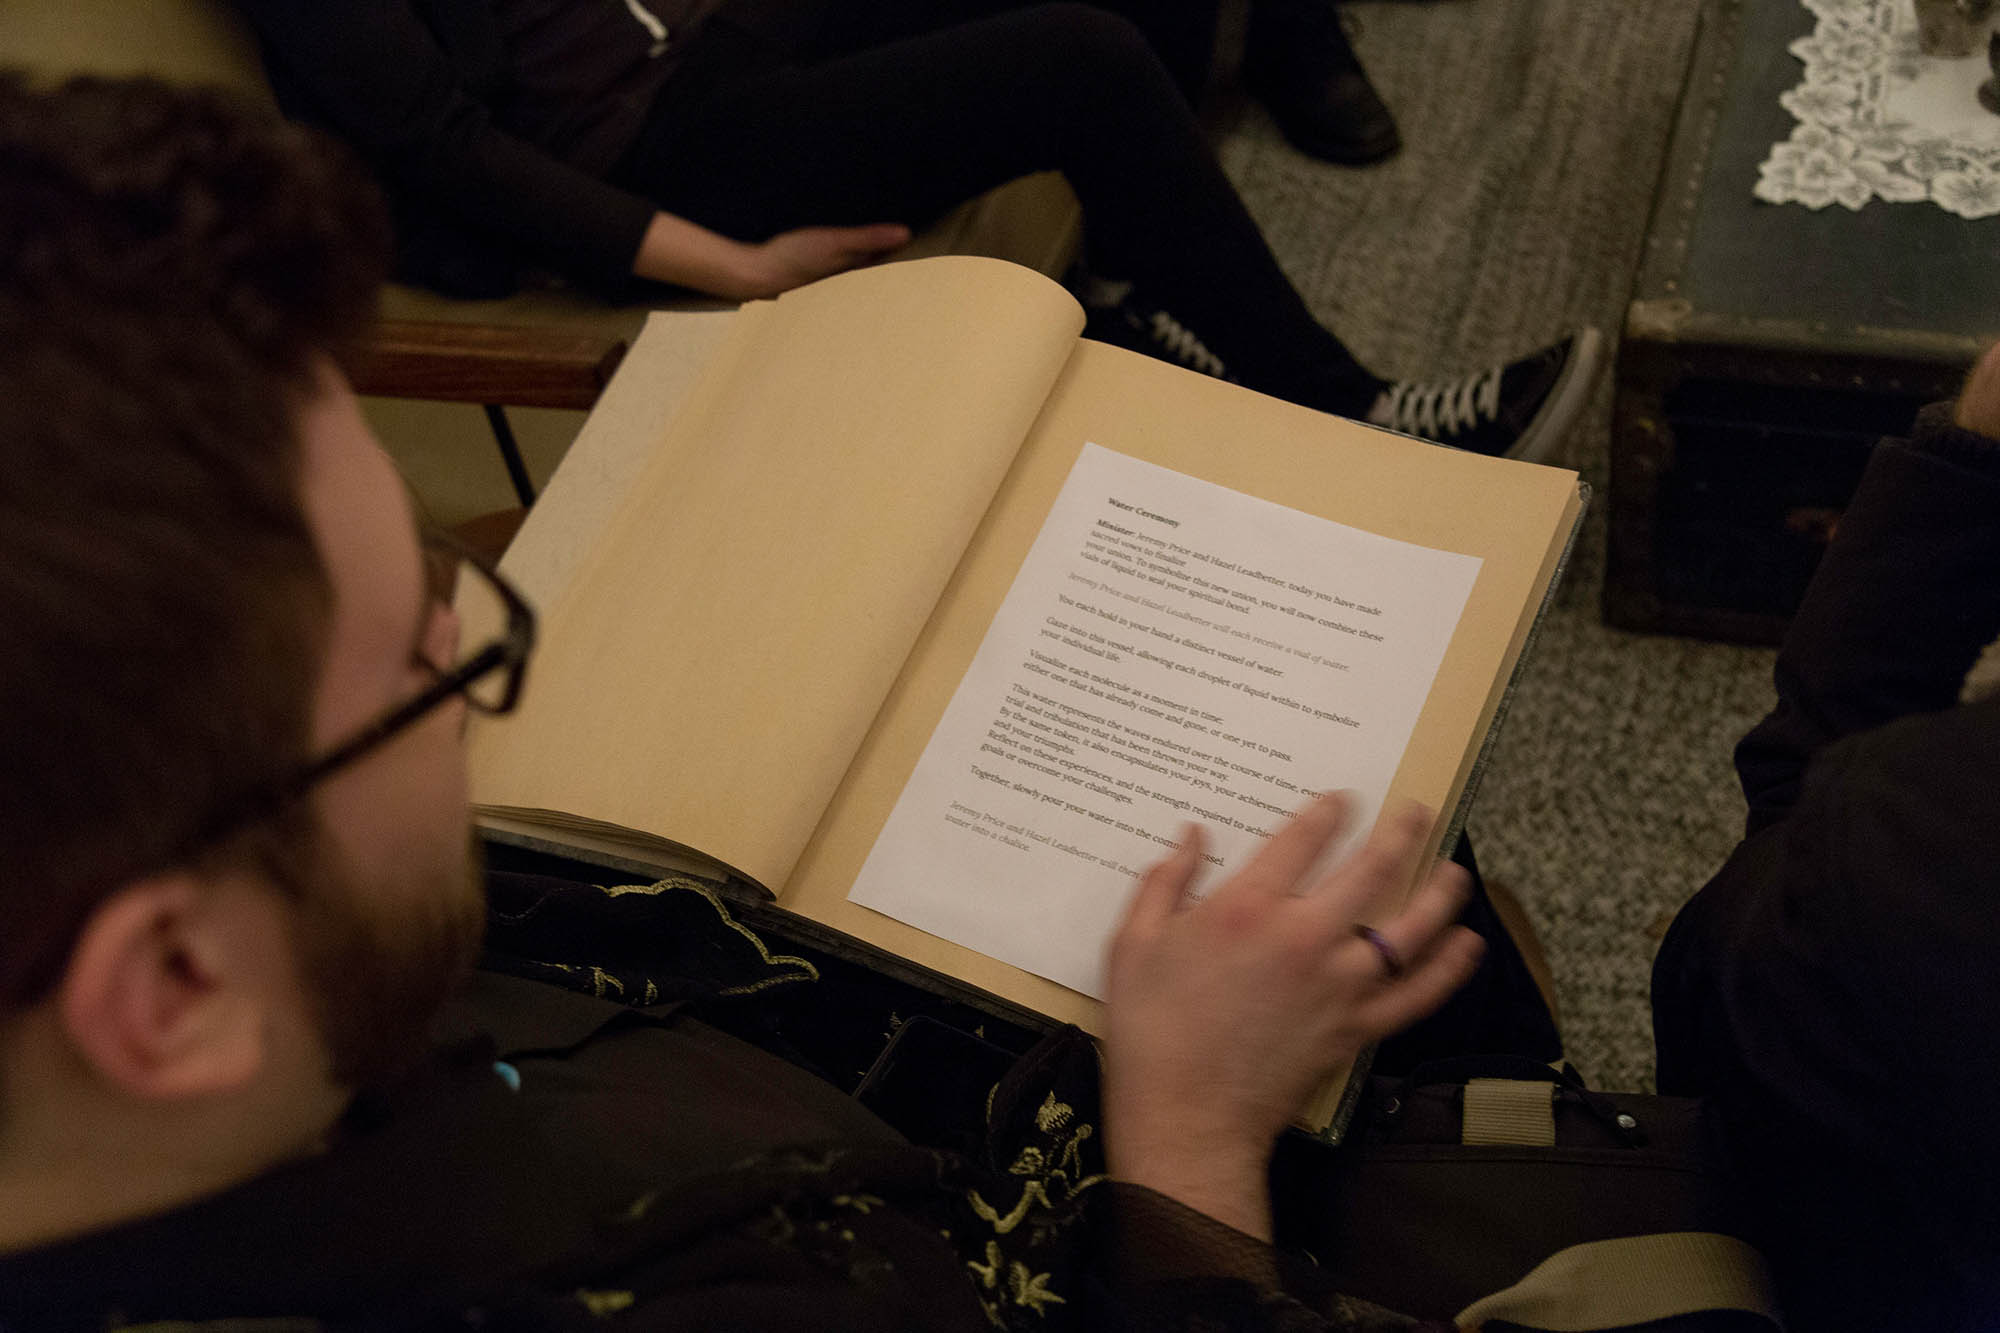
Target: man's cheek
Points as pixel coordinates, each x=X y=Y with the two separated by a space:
x=406 y=800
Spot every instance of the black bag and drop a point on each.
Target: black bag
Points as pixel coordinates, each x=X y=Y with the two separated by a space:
x=1469 y=1175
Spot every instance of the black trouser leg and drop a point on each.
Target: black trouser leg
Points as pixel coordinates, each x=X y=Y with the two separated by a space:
x=905 y=130
x=1499 y=1011
x=1181 y=32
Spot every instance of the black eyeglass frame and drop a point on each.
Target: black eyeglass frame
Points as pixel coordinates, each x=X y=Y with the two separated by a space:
x=509 y=652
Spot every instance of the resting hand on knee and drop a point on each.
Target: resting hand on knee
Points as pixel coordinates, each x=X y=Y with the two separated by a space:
x=678 y=251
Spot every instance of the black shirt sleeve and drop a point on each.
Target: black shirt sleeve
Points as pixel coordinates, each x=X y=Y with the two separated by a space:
x=373 y=72
x=1831 y=991
x=1902 y=603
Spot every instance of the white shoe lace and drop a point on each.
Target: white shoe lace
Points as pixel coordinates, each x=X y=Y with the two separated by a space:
x=1436 y=410
x=655 y=29
x=1189 y=350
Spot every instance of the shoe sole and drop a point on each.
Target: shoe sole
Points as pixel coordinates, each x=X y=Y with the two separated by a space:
x=1343 y=154
x=1353 y=152
x=1339 y=152
x=1565 y=401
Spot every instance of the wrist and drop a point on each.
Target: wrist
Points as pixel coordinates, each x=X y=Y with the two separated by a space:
x=1223 y=1174
x=677 y=251
x=743 y=273
x=1232 y=1194
x=1978 y=418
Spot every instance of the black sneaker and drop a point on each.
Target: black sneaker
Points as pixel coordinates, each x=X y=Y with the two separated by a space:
x=1519 y=410
x=1139 y=327
x=1298 y=62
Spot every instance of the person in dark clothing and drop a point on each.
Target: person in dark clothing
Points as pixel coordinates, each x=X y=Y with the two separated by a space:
x=1298 y=61
x=744 y=147
x=234 y=816
x=1832 y=991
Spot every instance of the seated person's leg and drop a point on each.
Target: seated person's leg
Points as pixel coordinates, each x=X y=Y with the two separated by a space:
x=902 y=131
x=1298 y=62
x=1181 y=32
x=1499 y=1011
x=1831 y=991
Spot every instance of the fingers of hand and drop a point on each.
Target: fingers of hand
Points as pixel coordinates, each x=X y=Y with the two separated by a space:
x=1401 y=945
x=1386 y=863
x=1285 y=857
x=1164 y=886
x=887 y=235
x=1431 y=911
x=855 y=244
x=1426 y=984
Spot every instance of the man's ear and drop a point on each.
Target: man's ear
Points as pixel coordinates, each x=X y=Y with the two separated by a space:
x=153 y=1000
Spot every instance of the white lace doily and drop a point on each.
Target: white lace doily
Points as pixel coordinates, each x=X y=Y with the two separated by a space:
x=1880 y=120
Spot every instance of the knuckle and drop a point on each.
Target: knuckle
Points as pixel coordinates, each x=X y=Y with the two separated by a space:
x=1134 y=937
x=1236 y=915
x=1303 y=943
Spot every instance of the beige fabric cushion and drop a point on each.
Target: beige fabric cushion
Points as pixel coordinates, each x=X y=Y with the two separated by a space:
x=186 y=41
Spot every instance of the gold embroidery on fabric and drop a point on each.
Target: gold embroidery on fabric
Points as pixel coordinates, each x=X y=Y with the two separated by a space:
x=281 y=1324
x=1055 y=1165
x=1031 y=1289
x=780 y=1230
x=1032 y=1193
x=1025 y=1287
x=860 y=1203
x=1072 y=1153
x=653 y=890
x=683 y=883
x=604 y=1304
x=988 y=1272
x=1033 y=1161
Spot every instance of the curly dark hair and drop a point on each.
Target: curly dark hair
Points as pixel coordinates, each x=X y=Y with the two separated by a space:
x=173 y=266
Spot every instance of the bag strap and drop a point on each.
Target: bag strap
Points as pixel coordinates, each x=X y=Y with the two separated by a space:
x=1460 y=1068
x=1509 y=1111
x=1495 y=1069
x=1607 y=1284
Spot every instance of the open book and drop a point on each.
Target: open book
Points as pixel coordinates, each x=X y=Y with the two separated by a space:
x=937 y=621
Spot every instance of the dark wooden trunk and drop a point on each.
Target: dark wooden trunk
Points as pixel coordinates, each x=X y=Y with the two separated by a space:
x=1766 y=349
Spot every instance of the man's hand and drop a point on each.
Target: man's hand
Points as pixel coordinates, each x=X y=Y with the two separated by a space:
x=1226 y=1013
x=1978 y=408
x=678 y=251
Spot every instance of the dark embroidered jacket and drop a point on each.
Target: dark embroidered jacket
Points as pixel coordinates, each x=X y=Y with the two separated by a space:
x=655 y=1173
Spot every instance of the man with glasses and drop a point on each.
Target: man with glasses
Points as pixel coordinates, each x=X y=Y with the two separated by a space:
x=237 y=886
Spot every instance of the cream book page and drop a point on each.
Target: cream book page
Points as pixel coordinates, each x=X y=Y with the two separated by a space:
x=603 y=464
x=711 y=667
x=1513 y=519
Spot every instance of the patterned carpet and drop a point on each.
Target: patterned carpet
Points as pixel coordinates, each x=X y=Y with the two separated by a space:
x=1533 y=133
